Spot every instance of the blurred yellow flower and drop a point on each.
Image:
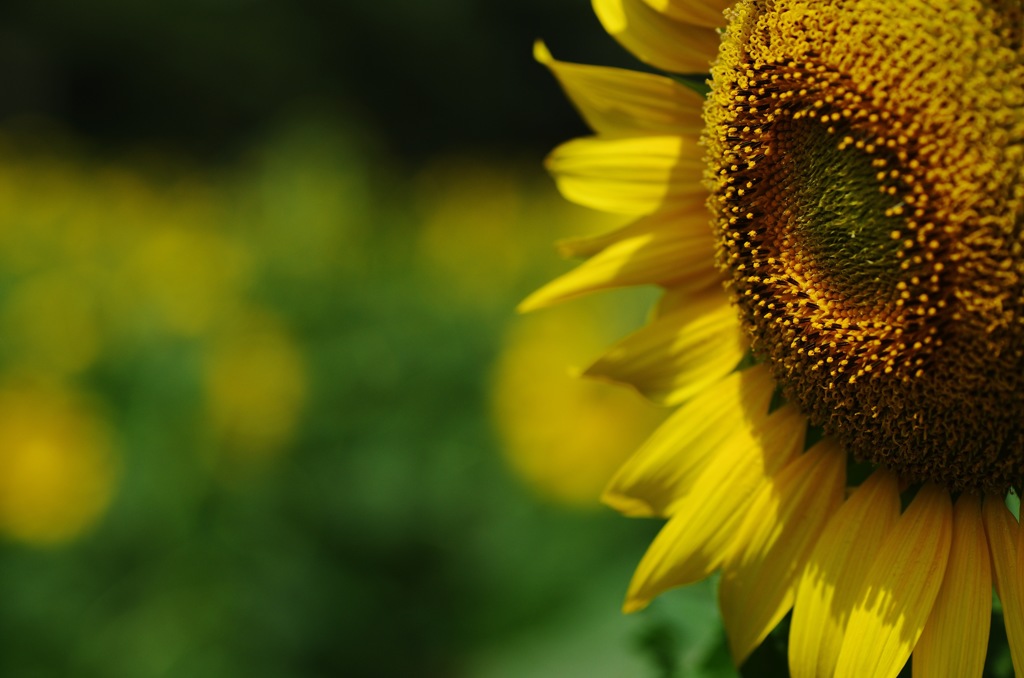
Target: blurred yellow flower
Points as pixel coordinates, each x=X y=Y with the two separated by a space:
x=189 y=276
x=255 y=382
x=564 y=435
x=50 y=322
x=480 y=226
x=470 y=214
x=57 y=464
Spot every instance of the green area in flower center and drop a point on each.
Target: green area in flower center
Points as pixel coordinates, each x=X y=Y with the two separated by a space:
x=843 y=219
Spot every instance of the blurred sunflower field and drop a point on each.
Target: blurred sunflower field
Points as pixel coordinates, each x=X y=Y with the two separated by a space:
x=266 y=406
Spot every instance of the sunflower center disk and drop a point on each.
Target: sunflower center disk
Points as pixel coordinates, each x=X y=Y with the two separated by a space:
x=865 y=187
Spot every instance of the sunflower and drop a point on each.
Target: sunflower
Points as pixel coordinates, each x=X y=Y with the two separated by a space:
x=836 y=223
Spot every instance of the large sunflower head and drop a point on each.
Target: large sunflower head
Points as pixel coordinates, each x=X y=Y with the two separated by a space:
x=864 y=161
x=837 y=226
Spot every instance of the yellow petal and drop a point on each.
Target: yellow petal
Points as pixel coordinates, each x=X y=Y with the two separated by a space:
x=681 y=354
x=835 y=573
x=633 y=176
x=656 y=38
x=779 y=531
x=1003 y=533
x=708 y=13
x=899 y=589
x=583 y=247
x=672 y=300
x=955 y=639
x=677 y=249
x=705 y=521
x=666 y=467
x=692 y=217
x=619 y=102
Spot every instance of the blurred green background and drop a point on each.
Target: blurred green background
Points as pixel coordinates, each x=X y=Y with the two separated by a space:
x=266 y=408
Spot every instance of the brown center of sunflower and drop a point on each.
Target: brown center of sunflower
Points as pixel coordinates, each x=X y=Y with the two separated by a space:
x=866 y=174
